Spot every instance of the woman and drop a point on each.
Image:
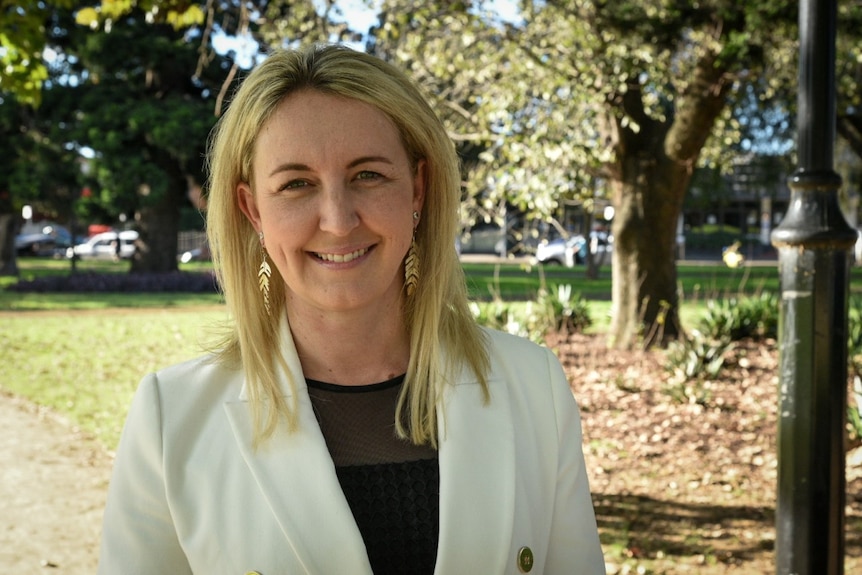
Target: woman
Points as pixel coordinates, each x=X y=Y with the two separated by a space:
x=356 y=419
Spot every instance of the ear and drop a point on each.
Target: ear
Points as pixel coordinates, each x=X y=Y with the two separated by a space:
x=419 y=185
x=248 y=205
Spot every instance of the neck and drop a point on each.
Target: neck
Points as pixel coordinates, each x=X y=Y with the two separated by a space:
x=351 y=348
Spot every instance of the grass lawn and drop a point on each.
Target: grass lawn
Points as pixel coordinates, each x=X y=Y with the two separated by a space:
x=85 y=365
x=511 y=282
x=516 y=282
x=83 y=354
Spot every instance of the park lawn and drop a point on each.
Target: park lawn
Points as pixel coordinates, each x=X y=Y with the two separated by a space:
x=85 y=365
x=485 y=282
x=83 y=354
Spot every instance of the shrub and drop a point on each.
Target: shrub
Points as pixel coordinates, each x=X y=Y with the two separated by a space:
x=854 y=411
x=696 y=357
x=854 y=334
x=182 y=282
x=536 y=319
x=735 y=319
x=567 y=311
x=692 y=362
x=525 y=320
x=854 y=356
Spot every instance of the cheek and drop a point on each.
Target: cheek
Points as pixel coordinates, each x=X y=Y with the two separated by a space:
x=283 y=231
x=284 y=225
x=396 y=214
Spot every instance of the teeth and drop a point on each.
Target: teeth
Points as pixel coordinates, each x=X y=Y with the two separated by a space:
x=342 y=258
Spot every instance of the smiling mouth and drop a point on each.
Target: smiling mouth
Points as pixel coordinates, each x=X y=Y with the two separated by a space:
x=341 y=258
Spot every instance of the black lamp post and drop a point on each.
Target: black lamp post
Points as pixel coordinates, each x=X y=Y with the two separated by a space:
x=813 y=242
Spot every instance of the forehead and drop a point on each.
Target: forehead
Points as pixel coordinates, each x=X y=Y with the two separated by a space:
x=310 y=125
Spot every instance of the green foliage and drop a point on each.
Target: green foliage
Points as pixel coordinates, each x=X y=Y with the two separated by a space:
x=854 y=333
x=22 y=42
x=738 y=318
x=27 y=25
x=568 y=310
x=177 y=13
x=715 y=240
x=854 y=411
x=694 y=362
x=854 y=355
x=522 y=319
x=142 y=114
x=560 y=310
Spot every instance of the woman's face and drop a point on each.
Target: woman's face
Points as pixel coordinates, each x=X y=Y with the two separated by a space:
x=334 y=193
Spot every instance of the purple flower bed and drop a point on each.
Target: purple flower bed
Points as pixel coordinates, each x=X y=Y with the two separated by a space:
x=184 y=282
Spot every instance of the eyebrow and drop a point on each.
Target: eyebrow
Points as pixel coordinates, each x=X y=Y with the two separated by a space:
x=290 y=166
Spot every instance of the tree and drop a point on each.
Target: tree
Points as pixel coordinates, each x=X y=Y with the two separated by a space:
x=849 y=75
x=136 y=91
x=627 y=93
x=10 y=136
x=36 y=169
x=627 y=97
x=631 y=96
x=22 y=45
x=147 y=119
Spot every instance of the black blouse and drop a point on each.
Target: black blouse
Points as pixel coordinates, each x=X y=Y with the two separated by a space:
x=391 y=485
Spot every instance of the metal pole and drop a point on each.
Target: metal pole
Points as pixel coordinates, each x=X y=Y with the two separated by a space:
x=813 y=244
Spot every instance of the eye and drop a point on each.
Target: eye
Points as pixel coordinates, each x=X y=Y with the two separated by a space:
x=292 y=185
x=368 y=175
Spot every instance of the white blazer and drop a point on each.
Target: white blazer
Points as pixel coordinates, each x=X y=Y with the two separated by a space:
x=190 y=495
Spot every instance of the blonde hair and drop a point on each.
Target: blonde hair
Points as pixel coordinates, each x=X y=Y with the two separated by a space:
x=437 y=315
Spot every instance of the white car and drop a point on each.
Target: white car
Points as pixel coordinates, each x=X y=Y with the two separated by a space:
x=566 y=252
x=573 y=251
x=103 y=246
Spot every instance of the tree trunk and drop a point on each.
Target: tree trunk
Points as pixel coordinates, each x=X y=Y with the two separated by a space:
x=850 y=128
x=645 y=298
x=158 y=225
x=8 y=259
x=649 y=180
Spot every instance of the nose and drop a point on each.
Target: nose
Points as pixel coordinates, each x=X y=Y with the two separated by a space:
x=338 y=214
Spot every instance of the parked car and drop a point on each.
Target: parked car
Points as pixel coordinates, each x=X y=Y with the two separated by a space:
x=104 y=246
x=201 y=254
x=561 y=251
x=573 y=250
x=47 y=240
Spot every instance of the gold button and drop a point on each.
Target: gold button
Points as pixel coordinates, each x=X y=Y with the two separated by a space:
x=525 y=559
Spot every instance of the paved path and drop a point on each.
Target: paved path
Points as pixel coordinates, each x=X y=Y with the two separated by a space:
x=53 y=481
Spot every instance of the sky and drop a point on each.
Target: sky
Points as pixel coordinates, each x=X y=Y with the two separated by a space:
x=360 y=16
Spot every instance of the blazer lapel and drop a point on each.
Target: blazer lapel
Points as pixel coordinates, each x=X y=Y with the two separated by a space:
x=477 y=479
x=296 y=475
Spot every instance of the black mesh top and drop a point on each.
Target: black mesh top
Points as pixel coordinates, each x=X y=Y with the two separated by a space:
x=391 y=485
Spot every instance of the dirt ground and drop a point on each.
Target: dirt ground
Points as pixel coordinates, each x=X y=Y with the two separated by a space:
x=53 y=481
x=680 y=485
x=684 y=475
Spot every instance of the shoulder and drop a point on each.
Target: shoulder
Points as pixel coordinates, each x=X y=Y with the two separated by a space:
x=195 y=382
x=521 y=363
x=182 y=400
x=196 y=369
x=508 y=348
x=530 y=379
x=529 y=370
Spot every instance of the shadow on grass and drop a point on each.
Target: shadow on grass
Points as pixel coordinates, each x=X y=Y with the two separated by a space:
x=643 y=528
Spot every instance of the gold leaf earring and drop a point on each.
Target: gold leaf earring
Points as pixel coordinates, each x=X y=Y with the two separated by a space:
x=411 y=263
x=263 y=274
